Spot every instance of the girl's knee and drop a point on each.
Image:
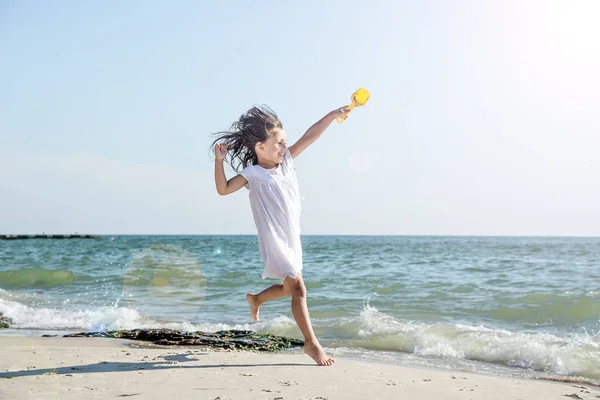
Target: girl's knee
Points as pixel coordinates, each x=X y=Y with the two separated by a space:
x=295 y=286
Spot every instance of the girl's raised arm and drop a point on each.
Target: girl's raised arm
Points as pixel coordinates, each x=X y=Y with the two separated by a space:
x=225 y=186
x=315 y=131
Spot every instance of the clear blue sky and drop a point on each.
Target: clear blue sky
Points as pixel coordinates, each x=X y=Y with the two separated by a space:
x=484 y=117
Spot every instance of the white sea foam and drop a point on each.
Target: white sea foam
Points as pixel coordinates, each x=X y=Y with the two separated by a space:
x=115 y=318
x=576 y=354
x=104 y=318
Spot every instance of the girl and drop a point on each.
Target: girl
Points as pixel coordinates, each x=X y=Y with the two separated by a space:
x=256 y=144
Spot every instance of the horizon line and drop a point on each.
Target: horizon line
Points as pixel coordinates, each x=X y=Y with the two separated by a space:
x=310 y=234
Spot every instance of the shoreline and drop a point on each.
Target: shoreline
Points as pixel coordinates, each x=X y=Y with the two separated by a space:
x=71 y=368
x=411 y=361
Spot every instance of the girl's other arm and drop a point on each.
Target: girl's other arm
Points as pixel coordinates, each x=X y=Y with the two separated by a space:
x=225 y=186
x=315 y=131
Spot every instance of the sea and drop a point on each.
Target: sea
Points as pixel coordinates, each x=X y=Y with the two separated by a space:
x=509 y=306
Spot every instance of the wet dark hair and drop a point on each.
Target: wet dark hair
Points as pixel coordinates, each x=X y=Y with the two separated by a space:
x=254 y=126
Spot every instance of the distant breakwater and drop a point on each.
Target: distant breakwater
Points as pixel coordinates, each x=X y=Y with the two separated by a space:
x=48 y=236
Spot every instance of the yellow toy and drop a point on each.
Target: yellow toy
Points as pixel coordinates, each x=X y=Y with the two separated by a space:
x=359 y=99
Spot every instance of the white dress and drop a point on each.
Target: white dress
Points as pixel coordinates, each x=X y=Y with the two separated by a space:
x=275 y=203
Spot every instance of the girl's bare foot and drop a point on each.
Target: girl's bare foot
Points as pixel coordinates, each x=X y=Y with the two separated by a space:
x=253 y=301
x=315 y=351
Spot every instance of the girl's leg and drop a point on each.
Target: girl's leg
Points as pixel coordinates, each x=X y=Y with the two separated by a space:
x=300 y=312
x=271 y=293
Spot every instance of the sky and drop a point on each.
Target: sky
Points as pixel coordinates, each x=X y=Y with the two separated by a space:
x=484 y=116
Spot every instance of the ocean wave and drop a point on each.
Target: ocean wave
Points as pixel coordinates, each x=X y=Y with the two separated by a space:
x=107 y=318
x=103 y=318
x=576 y=355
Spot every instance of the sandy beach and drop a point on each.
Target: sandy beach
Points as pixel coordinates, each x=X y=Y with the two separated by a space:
x=75 y=368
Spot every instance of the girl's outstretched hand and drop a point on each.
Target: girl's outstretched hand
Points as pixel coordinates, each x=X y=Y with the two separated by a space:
x=220 y=151
x=338 y=112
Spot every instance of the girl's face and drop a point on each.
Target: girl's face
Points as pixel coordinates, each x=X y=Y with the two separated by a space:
x=273 y=149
